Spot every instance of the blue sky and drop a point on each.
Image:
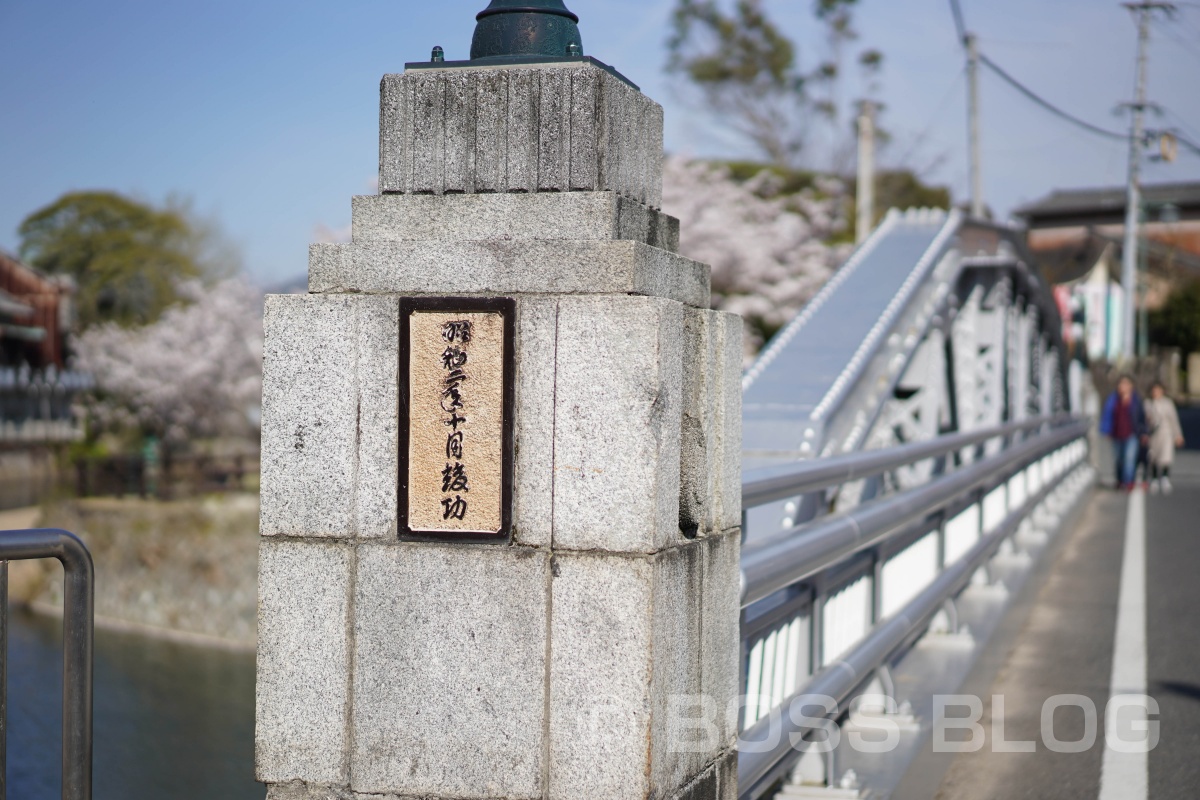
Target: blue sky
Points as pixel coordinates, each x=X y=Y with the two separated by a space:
x=264 y=113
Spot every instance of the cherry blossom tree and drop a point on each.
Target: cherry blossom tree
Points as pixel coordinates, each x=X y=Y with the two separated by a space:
x=195 y=372
x=768 y=251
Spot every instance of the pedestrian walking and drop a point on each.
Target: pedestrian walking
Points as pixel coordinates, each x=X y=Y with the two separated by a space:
x=1124 y=421
x=1162 y=420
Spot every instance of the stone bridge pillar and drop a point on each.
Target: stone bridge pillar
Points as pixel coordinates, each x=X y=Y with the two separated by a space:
x=500 y=462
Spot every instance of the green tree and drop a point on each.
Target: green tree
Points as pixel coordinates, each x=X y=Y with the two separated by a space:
x=750 y=79
x=1177 y=323
x=127 y=258
x=899 y=188
x=745 y=69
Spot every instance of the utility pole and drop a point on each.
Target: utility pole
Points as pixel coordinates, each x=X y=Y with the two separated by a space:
x=1143 y=334
x=1133 y=201
x=972 y=44
x=866 y=171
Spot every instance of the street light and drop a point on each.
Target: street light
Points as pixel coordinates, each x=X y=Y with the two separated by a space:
x=526 y=29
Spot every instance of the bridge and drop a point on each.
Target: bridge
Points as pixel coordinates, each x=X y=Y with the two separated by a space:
x=927 y=553
x=530 y=531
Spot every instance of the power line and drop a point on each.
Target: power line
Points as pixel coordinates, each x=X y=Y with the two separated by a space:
x=942 y=105
x=1047 y=105
x=1186 y=142
x=1191 y=48
x=1179 y=120
x=960 y=25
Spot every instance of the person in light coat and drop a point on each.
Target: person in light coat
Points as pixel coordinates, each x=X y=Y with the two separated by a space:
x=1165 y=435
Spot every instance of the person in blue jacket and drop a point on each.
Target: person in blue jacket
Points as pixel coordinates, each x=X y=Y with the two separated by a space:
x=1124 y=421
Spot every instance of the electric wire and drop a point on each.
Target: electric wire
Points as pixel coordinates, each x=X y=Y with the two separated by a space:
x=923 y=136
x=960 y=25
x=1183 y=123
x=1047 y=105
x=1186 y=142
x=1191 y=48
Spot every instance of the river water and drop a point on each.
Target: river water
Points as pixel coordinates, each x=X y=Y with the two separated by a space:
x=171 y=720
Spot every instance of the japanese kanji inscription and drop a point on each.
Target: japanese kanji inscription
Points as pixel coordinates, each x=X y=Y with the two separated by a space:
x=456 y=433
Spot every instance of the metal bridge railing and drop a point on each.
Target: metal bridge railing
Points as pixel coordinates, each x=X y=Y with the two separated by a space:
x=827 y=605
x=78 y=621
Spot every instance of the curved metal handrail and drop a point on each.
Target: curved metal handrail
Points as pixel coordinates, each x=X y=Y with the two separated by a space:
x=78 y=636
x=758 y=769
x=771 y=564
x=780 y=483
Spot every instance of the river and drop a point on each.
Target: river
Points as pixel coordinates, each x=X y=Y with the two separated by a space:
x=171 y=720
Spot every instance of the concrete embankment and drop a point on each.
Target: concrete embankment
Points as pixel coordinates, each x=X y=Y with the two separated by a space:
x=183 y=570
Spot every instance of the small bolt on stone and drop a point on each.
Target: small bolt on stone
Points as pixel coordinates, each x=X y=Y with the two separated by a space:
x=574 y=50
x=439 y=55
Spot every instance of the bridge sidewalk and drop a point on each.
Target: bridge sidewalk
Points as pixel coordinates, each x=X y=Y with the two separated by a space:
x=1065 y=646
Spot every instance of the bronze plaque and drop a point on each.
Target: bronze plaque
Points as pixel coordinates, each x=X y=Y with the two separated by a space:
x=456 y=418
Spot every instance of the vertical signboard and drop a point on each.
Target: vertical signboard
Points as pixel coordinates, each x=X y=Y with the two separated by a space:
x=456 y=415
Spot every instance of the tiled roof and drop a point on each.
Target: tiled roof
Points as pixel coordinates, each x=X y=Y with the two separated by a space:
x=1075 y=201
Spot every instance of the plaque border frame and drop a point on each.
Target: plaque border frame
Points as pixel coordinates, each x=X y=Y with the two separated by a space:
x=507 y=308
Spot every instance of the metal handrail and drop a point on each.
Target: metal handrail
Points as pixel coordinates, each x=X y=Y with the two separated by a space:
x=78 y=632
x=773 y=563
x=781 y=483
x=758 y=770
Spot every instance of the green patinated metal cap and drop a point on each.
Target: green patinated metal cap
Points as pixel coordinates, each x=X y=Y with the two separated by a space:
x=525 y=29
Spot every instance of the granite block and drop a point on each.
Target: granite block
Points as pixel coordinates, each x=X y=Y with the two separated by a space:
x=641 y=223
x=721 y=629
x=554 y=131
x=328 y=259
x=705 y=786
x=545 y=127
x=654 y=155
x=378 y=324
x=533 y=495
x=302 y=704
x=296 y=790
x=460 y=128
x=491 y=133
x=699 y=460
x=727 y=775
x=618 y=387
x=428 y=145
x=625 y=674
x=585 y=155
x=395 y=121
x=449 y=671
x=717 y=781
x=309 y=416
x=330 y=416
x=600 y=675
x=521 y=149
x=684 y=736
x=729 y=425
x=508 y=267
x=396 y=217
x=572 y=215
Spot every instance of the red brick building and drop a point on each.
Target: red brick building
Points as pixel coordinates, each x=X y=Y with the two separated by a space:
x=35 y=316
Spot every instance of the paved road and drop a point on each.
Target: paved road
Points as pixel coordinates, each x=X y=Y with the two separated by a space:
x=1064 y=645
x=1173 y=630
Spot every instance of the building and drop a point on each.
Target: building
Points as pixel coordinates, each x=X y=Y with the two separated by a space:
x=1077 y=238
x=36 y=385
x=35 y=316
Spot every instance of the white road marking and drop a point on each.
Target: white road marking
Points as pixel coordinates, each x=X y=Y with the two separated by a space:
x=1125 y=775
